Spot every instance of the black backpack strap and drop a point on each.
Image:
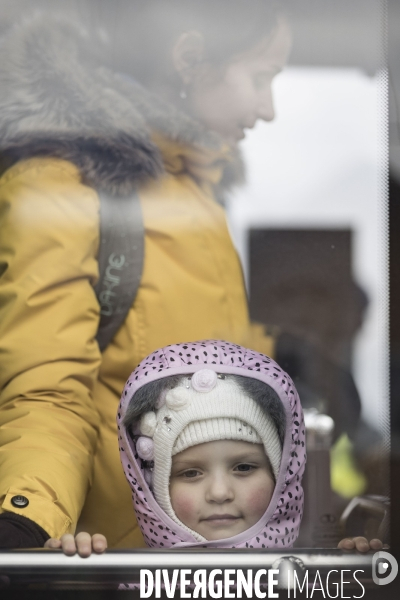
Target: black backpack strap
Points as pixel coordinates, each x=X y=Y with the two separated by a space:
x=121 y=255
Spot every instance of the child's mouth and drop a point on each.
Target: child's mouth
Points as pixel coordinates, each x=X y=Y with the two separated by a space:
x=221 y=519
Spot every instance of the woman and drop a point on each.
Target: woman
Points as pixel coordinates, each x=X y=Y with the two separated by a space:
x=73 y=128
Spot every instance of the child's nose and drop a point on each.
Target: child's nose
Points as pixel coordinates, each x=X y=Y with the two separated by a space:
x=220 y=490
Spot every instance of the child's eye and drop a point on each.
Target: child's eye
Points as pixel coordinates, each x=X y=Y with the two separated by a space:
x=190 y=473
x=244 y=468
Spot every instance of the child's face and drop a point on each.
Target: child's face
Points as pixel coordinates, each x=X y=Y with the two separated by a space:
x=222 y=488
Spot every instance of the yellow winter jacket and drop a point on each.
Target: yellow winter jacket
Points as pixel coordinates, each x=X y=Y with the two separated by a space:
x=58 y=147
x=59 y=395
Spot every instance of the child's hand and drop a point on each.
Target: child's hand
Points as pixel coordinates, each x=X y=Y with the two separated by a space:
x=83 y=543
x=360 y=543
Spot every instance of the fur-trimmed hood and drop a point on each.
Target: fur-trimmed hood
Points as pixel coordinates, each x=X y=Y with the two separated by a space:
x=57 y=99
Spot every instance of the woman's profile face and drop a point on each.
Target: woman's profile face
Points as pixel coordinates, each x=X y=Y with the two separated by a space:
x=232 y=101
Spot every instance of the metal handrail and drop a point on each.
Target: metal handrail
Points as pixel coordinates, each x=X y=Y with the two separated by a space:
x=22 y=568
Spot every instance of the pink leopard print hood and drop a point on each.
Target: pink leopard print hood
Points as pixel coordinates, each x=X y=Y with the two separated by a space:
x=279 y=526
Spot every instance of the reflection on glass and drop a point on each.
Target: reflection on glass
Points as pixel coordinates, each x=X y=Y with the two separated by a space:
x=165 y=110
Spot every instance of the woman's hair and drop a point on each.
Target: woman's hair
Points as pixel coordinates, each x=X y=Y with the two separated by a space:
x=146 y=397
x=142 y=32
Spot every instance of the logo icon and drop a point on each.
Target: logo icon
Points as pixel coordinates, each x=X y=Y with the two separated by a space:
x=384 y=568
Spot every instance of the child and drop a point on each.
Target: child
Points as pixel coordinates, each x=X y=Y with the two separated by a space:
x=216 y=432
x=212 y=443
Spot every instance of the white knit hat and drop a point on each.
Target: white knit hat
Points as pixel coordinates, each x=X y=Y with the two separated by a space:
x=210 y=430
x=201 y=409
